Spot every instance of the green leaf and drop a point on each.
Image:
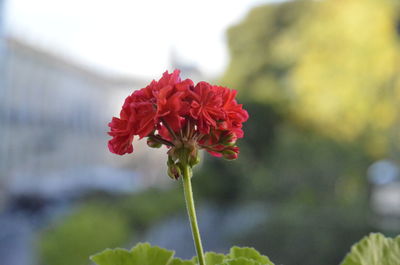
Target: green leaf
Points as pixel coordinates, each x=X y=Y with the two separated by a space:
x=141 y=254
x=213 y=258
x=241 y=261
x=145 y=254
x=249 y=253
x=112 y=257
x=374 y=249
x=177 y=261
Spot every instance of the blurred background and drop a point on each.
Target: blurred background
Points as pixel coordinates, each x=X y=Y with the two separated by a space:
x=319 y=164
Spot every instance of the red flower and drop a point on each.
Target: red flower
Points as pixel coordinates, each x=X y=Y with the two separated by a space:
x=205 y=106
x=170 y=105
x=235 y=114
x=181 y=116
x=139 y=113
x=122 y=137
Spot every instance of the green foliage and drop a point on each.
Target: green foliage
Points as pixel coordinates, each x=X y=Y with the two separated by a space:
x=248 y=253
x=73 y=239
x=305 y=168
x=293 y=232
x=258 y=67
x=312 y=186
x=321 y=62
x=145 y=208
x=374 y=249
x=88 y=230
x=241 y=261
x=145 y=254
x=213 y=258
x=178 y=261
x=322 y=87
x=142 y=254
x=344 y=80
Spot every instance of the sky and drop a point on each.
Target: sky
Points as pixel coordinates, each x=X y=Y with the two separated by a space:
x=132 y=38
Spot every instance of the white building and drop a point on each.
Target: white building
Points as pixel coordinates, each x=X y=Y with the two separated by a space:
x=54 y=115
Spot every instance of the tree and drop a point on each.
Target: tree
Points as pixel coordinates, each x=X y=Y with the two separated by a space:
x=334 y=63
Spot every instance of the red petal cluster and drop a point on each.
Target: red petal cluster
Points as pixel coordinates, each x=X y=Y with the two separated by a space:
x=170 y=110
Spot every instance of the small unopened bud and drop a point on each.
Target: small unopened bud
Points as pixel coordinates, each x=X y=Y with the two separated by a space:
x=174 y=171
x=153 y=143
x=231 y=153
x=229 y=139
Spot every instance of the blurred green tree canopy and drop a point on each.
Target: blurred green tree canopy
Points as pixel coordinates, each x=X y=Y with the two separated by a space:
x=333 y=64
x=78 y=236
x=72 y=239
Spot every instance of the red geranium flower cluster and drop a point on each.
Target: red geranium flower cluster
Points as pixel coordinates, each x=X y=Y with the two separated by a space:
x=180 y=115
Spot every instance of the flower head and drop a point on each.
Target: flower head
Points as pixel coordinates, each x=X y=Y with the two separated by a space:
x=183 y=116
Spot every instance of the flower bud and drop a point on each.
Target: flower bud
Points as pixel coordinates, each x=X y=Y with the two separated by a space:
x=229 y=139
x=174 y=172
x=231 y=153
x=153 y=143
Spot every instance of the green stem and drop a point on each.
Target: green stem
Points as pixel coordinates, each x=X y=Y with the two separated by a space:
x=187 y=188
